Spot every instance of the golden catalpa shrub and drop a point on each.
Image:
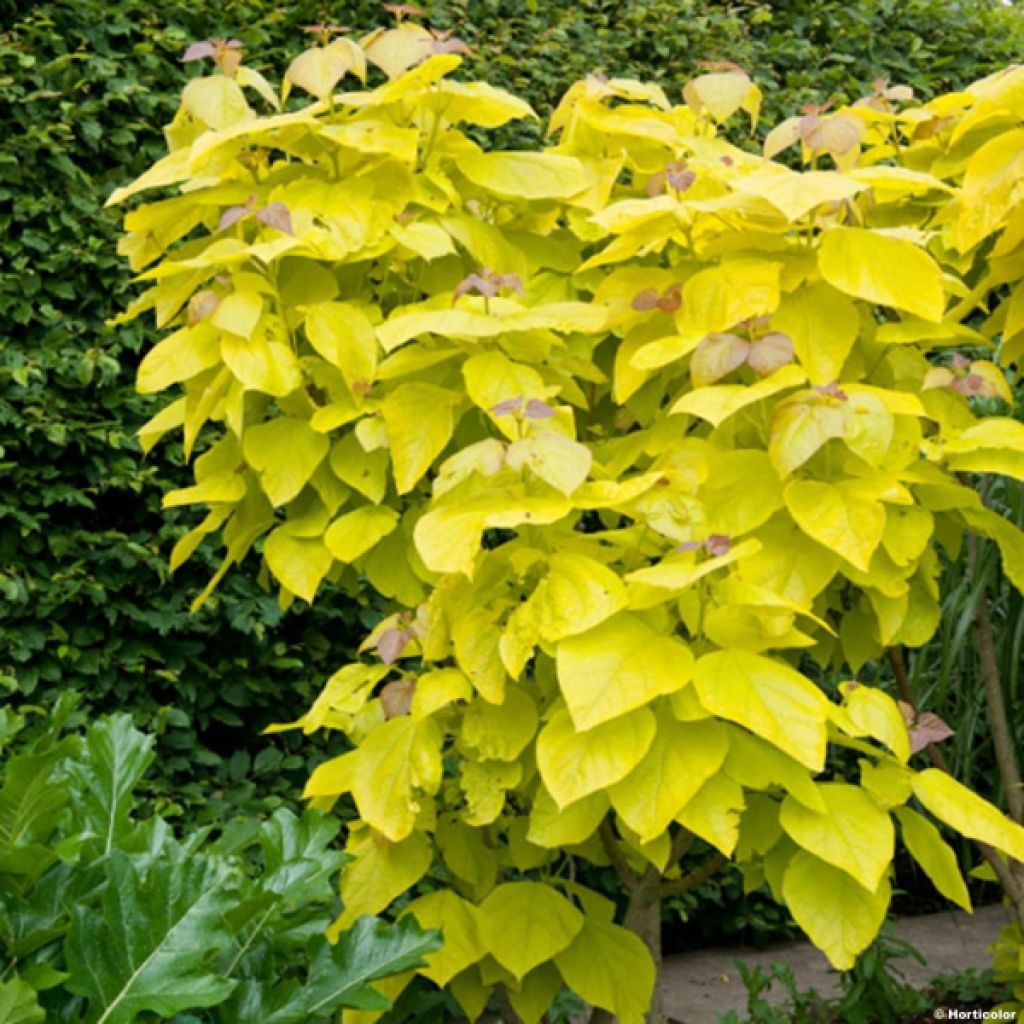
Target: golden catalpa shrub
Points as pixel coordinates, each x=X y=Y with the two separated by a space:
x=638 y=433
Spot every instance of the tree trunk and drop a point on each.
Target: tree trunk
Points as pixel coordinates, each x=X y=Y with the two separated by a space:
x=643 y=918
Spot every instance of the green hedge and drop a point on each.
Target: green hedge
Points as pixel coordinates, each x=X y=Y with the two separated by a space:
x=85 y=599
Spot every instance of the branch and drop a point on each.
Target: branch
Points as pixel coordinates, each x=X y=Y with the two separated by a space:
x=680 y=844
x=1003 y=872
x=696 y=877
x=899 y=670
x=627 y=876
x=995 y=704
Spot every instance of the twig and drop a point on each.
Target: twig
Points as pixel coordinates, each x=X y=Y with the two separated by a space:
x=627 y=876
x=690 y=881
x=680 y=844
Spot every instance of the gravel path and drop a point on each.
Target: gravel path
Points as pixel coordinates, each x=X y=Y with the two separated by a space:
x=698 y=986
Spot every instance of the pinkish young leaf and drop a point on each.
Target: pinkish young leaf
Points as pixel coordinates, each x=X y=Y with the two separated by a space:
x=680 y=177
x=717 y=544
x=928 y=728
x=687 y=546
x=509 y=407
x=717 y=356
x=396 y=697
x=512 y=281
x=832 y=390
x=202 y=305
x=474 y=282
x=391 y=644
x=972 y=385
x=443 y=43
x=960 y=362
x=770 y=352
x=197 y=51
x=645 y=300
x=671 y=299
x=538 y=410
x=233 y=214
x=276 y=215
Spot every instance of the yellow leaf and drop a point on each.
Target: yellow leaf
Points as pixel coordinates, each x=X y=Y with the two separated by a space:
x=214 y=489
x=319 y=69
x=935 y=856
x=456 y=919
x=448 y=537
x=286 y=452
x=840 y=516
x=399 y=48
x=714 y=813
x=492 y=378
x=576 y=595
x=720 y=297
x=179 y=357
x=876 y=714
x=168 y=418
x=617 y=666
x=354 y=533
x=485 y=787
x=552 y=826
x=396 y=757
x=967 y=812
x=477 y=651
x=379 y=872
x=420 y=422
x=253 y=79
x=535 y=994
x=217 y=101
x=990 y=184
x=881 y=269
x=364 y=471
x=298 y=563
x=479 y=103
x=500 y=731
x=609 y=967
x=438 y=689
x=681 y=759
x=722 y=93
x=558 y=461
x=428 y=241
x=239 y=312
x=800 y=427
x=523 y=924
x=853 y=833
x=261 y=365
x=680 y=572
x=838 y=915
x=716 y=404
x=823 y=324
x=342 y=333
x=575 y=764
x=525 y=175
x=794 y=194
x=768 y=697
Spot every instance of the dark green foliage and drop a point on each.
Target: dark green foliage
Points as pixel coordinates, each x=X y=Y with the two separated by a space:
x=799 y=51
x=131 y=920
